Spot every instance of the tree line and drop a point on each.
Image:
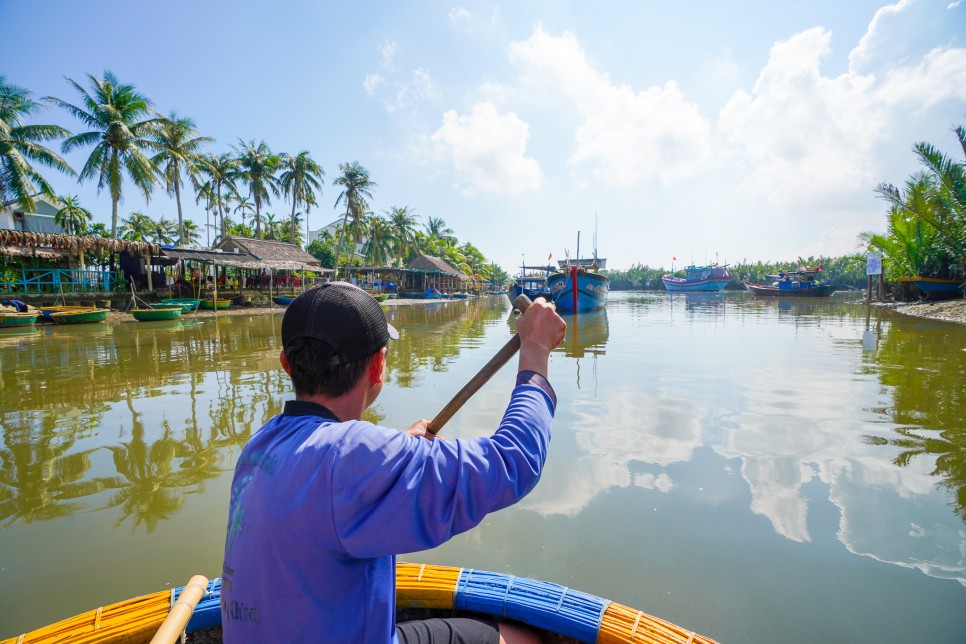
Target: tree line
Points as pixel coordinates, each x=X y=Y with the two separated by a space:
x=129 y=143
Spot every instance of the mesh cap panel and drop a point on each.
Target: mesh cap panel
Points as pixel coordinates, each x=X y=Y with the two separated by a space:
x=343 y=317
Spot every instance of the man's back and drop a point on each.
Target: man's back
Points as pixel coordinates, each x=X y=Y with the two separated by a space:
x=319 y=508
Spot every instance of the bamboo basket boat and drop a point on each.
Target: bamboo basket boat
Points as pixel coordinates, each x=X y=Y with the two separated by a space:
x=79 y=316
x=219 y=304
x=13 y=320
x=152 y=314
x=563 y=614
x=186 y=303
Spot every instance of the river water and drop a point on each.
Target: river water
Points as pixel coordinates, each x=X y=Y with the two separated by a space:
x=752 y=470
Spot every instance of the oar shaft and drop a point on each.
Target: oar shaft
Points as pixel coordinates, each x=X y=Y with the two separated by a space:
x=521 y=303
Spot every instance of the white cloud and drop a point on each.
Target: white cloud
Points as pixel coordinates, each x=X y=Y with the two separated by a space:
x=418 y=89
x=800 y=135
x=388 y=51
x=458 y=15
x=874 y=39
x=626 y=136
x=487 y=150
x=806 y=139
x=404 y=93
x=372 y=82
x=940 y=75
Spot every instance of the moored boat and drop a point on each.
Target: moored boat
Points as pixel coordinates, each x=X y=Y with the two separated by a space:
x=531 y=281
x=79 y=316
x=579 y=286
x=185 y=308
x=47 y=311
x=802 y=282
x=561 y=613
x=13 y=320
x=215 y=304
x=284 y=300
x=699 y=278
x=934 y=287
x=152 y=314
x=186 y=303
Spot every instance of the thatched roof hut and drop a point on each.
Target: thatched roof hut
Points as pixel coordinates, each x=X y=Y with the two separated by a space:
x=428 y=263
x=53 y=246
x=270 y=253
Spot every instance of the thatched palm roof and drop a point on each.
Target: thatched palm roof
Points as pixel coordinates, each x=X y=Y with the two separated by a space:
x=13 y=242
x=270 y=253
x=429 y=263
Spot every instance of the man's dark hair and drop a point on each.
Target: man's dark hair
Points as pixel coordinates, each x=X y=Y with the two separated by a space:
x=308 y=360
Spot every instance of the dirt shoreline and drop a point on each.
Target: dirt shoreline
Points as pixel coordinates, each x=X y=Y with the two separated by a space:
x=946 y=310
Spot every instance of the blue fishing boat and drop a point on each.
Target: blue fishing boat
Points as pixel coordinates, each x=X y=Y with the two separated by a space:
x=698 y=278
x=284 y=300
x=934 y=287
x=578 y=285
x=531 y=281
x=802 y=282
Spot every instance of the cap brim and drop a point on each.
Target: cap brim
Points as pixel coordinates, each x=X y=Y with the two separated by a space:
x=393 y=333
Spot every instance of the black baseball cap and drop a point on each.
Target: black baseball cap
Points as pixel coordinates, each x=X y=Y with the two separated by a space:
x=342 y=316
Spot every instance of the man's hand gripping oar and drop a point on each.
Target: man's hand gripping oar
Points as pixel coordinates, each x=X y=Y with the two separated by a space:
x=539 y=331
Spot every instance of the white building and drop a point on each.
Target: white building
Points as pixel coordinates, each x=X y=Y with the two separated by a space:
x=41 y=221
x=333 y=230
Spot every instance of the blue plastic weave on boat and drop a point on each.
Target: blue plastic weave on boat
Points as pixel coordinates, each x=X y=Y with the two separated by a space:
x=539 y=603
x=208 y=611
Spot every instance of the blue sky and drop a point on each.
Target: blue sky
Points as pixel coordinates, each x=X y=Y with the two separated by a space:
x=732 y=130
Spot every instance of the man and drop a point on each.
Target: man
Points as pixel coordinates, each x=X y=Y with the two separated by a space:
x=321 y=501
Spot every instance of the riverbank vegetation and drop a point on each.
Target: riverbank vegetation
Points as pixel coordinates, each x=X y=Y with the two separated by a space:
x=926 y=221
x=130 y=143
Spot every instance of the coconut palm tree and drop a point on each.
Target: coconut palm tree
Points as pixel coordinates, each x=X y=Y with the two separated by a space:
x=165 y=231
x=356 y=188
x=301 y=177
x=244 y=207
x=20 y=144
x=403 y=221
x=256 y=166
x=936 y=197
x=138 y=227
x=191 y=233
x=381 y=241
x=178 y=154
x=435 y=227
x=222 y=170
x=72 y=217
x=120 y=121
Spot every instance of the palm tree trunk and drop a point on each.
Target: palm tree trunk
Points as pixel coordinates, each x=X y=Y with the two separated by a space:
x=294 y=204
x=177 y=196
x=114 y=200
x=338 y=248
x=221 y=212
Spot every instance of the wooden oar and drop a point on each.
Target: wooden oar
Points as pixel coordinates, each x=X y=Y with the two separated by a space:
x=174 y=624
x=521 y=303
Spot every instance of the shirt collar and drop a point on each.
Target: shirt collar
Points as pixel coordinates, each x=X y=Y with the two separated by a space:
x=307 y=408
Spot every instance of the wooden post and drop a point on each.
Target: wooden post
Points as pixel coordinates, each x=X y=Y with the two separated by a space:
x=868 y=291
x=147 y=262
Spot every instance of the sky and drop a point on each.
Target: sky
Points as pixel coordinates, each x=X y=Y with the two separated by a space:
x=706 y=131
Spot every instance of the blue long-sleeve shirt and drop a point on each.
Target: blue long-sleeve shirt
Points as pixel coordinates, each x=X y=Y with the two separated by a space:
x=319 y=509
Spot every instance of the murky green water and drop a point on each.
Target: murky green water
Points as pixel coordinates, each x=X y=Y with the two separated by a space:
x=753 y=470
